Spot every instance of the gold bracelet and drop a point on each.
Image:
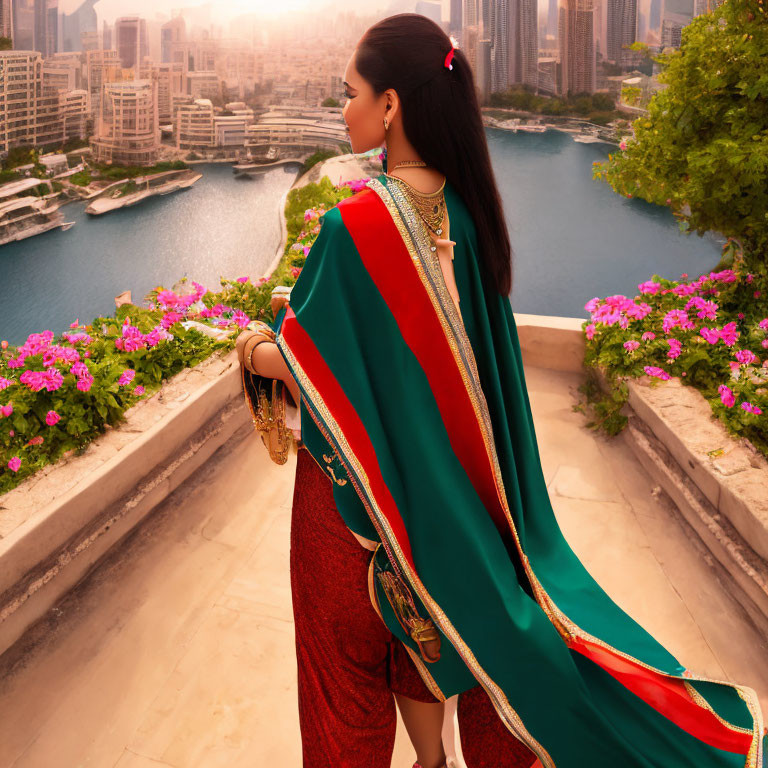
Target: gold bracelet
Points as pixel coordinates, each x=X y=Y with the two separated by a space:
x=250 y=354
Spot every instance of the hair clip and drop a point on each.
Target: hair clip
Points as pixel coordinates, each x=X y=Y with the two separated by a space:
x=449 y=56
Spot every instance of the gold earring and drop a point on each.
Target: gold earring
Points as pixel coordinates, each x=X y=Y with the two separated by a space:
x=386 y=124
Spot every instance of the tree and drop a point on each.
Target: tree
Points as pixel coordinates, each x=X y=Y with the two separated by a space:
x=6 y=44
x=702 y=149
x=330 y=102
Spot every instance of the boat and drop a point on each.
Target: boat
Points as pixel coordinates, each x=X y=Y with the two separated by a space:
x=25 y=217
x=67 y=225
x=163 y=186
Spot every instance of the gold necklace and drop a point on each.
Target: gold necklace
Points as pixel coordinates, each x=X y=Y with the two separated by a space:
x=429 y=205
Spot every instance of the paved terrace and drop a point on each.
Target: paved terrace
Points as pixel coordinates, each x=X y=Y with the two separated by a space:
x=178 y=650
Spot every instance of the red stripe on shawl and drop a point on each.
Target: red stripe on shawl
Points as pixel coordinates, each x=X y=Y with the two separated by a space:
x=349 y=422
x=668 y=696
x=388 y=262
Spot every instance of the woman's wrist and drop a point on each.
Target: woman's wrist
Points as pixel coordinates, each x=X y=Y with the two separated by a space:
x=249 y=347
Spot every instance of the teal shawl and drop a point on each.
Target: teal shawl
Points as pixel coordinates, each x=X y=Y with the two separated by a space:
x=424 y=427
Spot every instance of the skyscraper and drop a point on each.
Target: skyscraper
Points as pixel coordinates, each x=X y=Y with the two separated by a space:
x=23 y=25
x=73 y=25
x=6 y=22
x=456 y=21
x=523 y=37
x=131 y=40
x=173 y=31
x=577 y=46
x=675 y=15
x=621 y=28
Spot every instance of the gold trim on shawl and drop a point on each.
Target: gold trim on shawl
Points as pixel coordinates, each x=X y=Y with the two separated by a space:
x=417 y=240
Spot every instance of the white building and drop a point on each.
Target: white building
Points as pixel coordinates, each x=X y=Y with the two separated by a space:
x=128 y=129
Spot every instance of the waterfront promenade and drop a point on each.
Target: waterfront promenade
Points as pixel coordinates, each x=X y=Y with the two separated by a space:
x=178 y=651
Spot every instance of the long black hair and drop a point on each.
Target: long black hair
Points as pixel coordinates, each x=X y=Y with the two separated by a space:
x=443 y=122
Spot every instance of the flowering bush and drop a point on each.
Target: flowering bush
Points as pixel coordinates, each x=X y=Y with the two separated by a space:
x=711 y=332
x=59 y=393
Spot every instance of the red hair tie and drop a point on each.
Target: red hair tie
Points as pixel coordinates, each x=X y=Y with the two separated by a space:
x=454 y=45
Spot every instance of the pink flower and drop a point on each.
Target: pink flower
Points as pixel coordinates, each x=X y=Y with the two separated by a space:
x=52 y=418
x=675 y=348
x=756 y=294
x=3 y=344
x=712 y=335
x=622 y=145
x=707 y=309
x=725 y=276
x=241 y=318
x=295 y=271
x=729 y=334
x=14 y=464
x=656 y=372
x=631 y=345
x=745 y=356
x=648 y=336
x=242 y=279
x=740 y=315
x=751 y=408
x=592 y=304
x=84 y=383
x=76 y=324
x=674 y=318
x=649 y=287
x=138 y=390
x=5 y=383
x=38 y=440
x=170 y=318
x=684 y=289
x=6 y=410
x=126 y=377
x=763 y=324
x=764 y=343
x=726 y=395
x=590 y=330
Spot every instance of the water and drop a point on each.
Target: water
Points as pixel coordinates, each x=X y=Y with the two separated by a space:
x=573 y=238
x=222 y=226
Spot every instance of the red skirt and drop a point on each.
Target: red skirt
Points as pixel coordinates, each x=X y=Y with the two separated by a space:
x=349 y=663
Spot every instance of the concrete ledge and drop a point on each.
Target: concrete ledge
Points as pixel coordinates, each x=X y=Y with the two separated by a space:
x=552 y=342
x=718 y=483
x=55 y=547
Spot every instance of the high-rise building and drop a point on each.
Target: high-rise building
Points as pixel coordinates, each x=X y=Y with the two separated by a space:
x=106 y=37
x=675 y=15
x=73 y=25
x=6 y=20
x=131 y=40
x=173 y=31
x=127 y=129
x=23 y=25
x=621 y=28
x=522 y=43
x=456 y=21
x=101 y=67
x=29 y=113
x=577 y=47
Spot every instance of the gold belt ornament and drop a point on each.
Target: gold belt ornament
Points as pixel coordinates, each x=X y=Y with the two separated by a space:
x=421 y=630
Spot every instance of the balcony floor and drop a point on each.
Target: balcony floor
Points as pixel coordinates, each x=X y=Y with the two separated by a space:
x=179 y=650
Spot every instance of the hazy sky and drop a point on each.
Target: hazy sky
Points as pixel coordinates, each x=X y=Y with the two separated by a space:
x=109 y=10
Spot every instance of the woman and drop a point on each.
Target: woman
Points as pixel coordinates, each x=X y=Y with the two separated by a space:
x=400 y=346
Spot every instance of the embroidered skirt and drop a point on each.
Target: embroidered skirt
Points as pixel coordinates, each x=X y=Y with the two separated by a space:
x=349 y=663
